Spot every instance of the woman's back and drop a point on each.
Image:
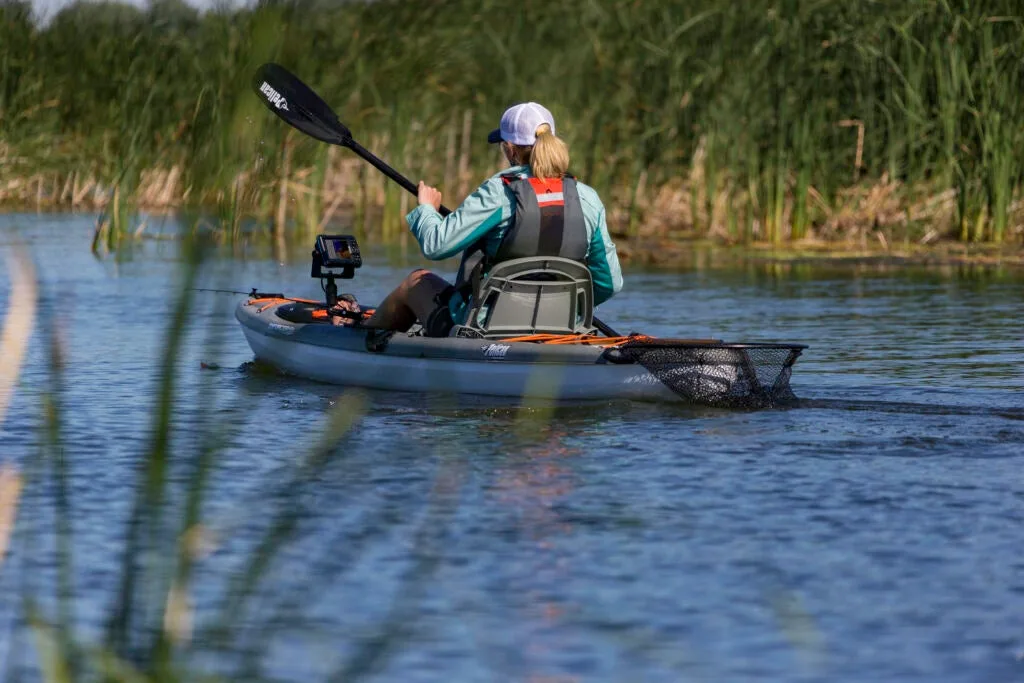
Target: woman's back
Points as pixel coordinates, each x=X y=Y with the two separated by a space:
x=534 y=208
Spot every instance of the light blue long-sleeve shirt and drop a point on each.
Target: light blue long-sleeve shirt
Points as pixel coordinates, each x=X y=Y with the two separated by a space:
x=489 y=212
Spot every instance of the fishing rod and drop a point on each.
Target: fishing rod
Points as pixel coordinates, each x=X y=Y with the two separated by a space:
x=223 y=291
x=251 y=293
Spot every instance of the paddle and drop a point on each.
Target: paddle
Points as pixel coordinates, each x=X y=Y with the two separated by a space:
x=300 y=107
x=294 y=101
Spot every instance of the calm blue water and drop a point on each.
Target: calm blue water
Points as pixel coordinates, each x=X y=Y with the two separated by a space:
x=873 y=532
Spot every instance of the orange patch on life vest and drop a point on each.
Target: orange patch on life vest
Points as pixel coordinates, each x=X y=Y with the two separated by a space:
x=546 y=185
x=548 y=191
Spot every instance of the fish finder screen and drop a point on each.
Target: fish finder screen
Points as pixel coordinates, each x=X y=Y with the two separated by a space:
x=338 y=251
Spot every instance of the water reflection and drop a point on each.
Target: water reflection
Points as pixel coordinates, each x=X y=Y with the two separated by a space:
x=532 y=482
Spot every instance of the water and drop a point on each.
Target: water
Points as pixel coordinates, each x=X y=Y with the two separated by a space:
x=871 y=533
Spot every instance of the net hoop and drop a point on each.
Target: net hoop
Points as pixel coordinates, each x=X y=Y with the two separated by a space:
x=736 y=375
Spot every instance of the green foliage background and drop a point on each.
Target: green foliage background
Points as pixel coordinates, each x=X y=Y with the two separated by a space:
x=769 y=95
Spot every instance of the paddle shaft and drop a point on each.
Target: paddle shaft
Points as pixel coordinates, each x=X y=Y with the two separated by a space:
x=604 y=329
x=384 y=168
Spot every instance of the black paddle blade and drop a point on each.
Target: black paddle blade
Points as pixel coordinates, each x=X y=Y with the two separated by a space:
x=292 y=100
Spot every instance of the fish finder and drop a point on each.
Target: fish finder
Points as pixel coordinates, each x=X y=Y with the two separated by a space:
x=335 y=256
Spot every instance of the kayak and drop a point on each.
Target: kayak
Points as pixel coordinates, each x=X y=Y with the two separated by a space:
x=530 y=334
x=296 y=337
x=528 y=331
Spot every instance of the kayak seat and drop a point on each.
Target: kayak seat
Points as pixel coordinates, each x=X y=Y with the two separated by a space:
x=535 y=295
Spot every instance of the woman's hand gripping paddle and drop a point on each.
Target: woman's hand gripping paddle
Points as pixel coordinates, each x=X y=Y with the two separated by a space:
x=300 y=107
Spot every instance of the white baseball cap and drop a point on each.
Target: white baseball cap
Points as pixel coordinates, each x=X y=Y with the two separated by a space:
x=519 y=124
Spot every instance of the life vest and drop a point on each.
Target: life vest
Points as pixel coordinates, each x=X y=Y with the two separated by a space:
x=548 y=221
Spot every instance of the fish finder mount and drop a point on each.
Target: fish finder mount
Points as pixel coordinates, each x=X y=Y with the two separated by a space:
x=335 y=256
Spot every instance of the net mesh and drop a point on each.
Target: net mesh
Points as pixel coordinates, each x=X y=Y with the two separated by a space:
x=729 y=375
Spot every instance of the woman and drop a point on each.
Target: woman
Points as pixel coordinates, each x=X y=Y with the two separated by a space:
x=532 y=209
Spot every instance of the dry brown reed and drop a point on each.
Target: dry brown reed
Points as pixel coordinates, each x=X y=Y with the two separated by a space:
x=678 y=209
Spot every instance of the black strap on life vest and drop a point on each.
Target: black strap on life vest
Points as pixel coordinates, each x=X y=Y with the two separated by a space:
x=548 y=221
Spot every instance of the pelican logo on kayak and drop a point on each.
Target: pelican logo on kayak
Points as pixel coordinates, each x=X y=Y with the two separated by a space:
x=495 y=350
x=274 y=97
x=281 y=329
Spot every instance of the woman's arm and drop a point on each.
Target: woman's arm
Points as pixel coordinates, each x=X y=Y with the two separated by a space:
x=603 y=261
x=441 y=238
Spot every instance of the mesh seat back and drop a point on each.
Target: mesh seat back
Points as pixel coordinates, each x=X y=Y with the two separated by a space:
x=533 y=295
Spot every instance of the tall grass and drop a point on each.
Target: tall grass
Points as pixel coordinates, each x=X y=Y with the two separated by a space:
x=799 y=110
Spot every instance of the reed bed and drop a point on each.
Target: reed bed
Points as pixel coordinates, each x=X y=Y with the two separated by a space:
x=767 y=120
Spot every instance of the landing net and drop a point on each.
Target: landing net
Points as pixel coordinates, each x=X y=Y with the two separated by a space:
x=719 y=374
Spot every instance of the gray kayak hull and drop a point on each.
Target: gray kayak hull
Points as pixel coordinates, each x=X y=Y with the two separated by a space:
x=338 y=355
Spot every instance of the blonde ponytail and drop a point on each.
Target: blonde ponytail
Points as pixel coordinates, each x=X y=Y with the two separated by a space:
x=549 y=157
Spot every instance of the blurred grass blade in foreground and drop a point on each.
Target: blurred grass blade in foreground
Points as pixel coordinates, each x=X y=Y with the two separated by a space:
x=17 y=329
x=21 y=312
x=10 y=490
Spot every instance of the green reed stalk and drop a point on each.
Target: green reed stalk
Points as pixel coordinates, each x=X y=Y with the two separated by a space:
x=145 y=519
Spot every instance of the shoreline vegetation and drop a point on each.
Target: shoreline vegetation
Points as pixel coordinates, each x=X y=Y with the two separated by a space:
x=772 y=126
